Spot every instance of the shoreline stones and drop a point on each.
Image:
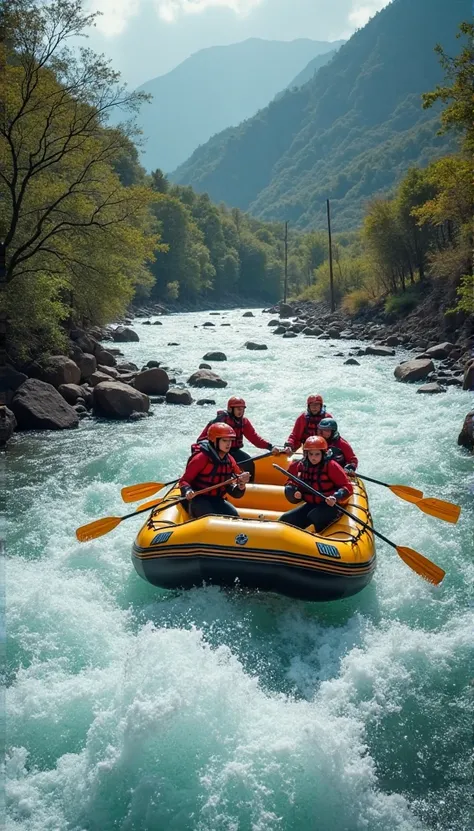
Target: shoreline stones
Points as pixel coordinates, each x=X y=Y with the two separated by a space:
x=153 y=381
x=415 y=370
x=206 y=378
x=37 y=405
x=115 y=400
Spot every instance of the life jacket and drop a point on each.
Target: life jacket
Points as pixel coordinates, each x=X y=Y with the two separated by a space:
x=217 y=470
x=312 y=423
x=237 y=425
x=317 y=477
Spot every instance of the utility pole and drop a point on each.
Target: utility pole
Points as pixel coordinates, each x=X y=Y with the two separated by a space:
x=285 y=288
x=331 y=276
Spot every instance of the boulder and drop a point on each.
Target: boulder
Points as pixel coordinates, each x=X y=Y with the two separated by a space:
x=225 y=324
x=153 y=381
x=346 y=334
x=87 y=343
x=105 y=358
x=334 y=333
x=205 y=378
x=414 y=370
x=57 y=370
x=157 y=323
x=382 y=351
x=152 y=364
x=173 y=343
x=452 y=381
x=441 y=350
x=71 y=392
x=203 y=401
x=123 y=334
x=178 y=396
x=127 y=366
x=208 y=323
x=313 y=330
x=286 y=310
x=248 y=314
x=11 y=379
x=273 y=322
x=279 y=330
x=289 y=334
x=205 y=366
x=108 y=370
x=115 y=400
x=7 y=424
x=37 y=405
x=87 y=363
x=351 y=362
x=468 y=380
x=214 y=356
x=97 y=377
x=466 y=436
x=146 y=322
x=392 y=340
x=254 y=347
x=86 y=394
x=431 y=389
x=286 y=324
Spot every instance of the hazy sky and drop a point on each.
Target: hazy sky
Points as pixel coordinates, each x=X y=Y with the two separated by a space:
x=146 y=38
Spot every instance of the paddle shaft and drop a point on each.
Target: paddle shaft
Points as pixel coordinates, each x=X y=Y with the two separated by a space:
x=184 y=498
x=245 y=462
x=343 y=510
x=368 y=479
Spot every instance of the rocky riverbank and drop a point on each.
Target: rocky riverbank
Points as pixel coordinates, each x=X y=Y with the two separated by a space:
x=93 y=379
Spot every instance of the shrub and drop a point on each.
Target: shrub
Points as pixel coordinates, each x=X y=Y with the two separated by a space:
x=356 y=301
x=397 y=305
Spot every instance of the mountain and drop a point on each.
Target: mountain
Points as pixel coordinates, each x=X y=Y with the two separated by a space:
x=350 y=133
x=215 y=88
x=316 y=63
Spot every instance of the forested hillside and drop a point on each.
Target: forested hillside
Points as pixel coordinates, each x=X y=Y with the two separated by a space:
x=214 y=89
x=350 y=133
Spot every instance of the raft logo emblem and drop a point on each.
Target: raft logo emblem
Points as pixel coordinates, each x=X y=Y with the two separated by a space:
x=241 y=539
x=328 y=550
x=162 y=537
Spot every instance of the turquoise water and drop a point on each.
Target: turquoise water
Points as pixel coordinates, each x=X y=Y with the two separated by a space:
x=137 y=709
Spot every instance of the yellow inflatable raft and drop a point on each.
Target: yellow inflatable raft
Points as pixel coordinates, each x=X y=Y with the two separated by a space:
x=256 y=551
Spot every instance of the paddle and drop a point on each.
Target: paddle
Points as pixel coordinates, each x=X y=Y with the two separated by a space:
x=102 y=526
x=417 y=562
x=133 y=493
x=447 y=511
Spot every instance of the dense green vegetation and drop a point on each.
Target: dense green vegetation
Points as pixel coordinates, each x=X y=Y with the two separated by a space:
x=349 y=134
x=424 y=232
x=215 y=88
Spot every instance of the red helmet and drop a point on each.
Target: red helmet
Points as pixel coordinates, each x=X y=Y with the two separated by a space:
x=315 y=443
x=315 y=399
x=219 y=430
x=235 y=401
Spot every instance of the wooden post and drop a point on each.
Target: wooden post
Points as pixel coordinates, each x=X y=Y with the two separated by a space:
x=331 y=276
x=285 y=287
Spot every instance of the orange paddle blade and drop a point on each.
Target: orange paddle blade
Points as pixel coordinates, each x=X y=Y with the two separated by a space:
x=406 y=493
x=133 y=493
x=447 y=511
x=97 y=528
x=424 y=567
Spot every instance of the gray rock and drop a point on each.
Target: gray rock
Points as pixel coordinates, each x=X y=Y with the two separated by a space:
x=289 y=334
x=205 y=366
x=152 y=364
x=279 y=330
x=203 y=401
x=334 y=333
x=37 y=405
x=153 y=381
x=115 y=400
x=346 y=334
x=178 y=396
x=11 y=379
x=453 y=381
x=381 y=351
x=225 y=324
x=248 y=314
x=7 y=424
x=86 y=393
x=313 y=330
x=157 y=323
x=441 y=350
x=87 y=343
x=214 y=356
x=392 y=340
x=127 y=366
x=468 y=380
x=146 y=322
x=98 y=377
x=123 y=334
x=205 y=378
x=414 y=370
x=208 y=323
x=71 y=392
x=173 y=343
x=273 y=322
x=87 y=363
x=431 y=389
x=105 y=358
x=286 y=310
x=108 y=370
x=58 y=370
x=466 y=436
x=352 y=362
x=254 y=347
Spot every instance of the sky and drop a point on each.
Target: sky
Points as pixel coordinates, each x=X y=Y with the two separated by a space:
x=146 y=38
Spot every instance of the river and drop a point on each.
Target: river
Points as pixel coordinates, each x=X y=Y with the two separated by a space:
x=138 y=709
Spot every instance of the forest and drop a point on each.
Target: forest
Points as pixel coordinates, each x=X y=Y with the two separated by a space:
x=87 y=231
